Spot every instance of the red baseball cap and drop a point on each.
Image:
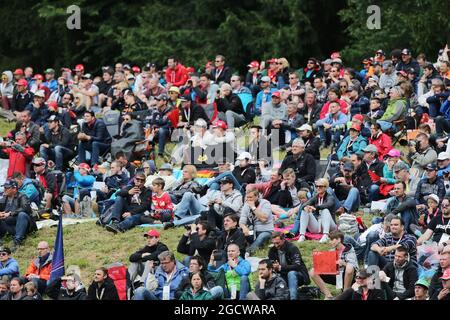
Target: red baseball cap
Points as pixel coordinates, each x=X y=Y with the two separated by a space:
x=273 y=60
x=84 y=166
x=253 y=64
x=79 y=67
x=335 y=55
x=66 y=70
x=358 y=117
x=276 y=94
x=38 y=77
x=53 y=105
x=136 y=69
x=19 y=71
x=403 y=73
x=22 y=82
x=356 y=127
x=152 y=233
x=220 y=124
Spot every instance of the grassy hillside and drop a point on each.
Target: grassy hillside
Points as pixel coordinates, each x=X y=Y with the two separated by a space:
x=90 y=246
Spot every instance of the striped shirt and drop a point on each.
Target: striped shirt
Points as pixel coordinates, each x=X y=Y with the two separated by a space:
x=408 y=241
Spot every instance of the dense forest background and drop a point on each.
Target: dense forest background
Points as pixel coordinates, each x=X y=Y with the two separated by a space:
x=35 y=33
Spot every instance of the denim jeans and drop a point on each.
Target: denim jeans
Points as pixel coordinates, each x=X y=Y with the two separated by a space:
x=217 y=293
x=385 y=125
x=214 y=184
x=329 y=135
x=142 y=293
x=261 y=239
x=408 y=218
x=232 y=117
x=374 y=259
x=374 y=193
x=351 y=204
x=120 y=207
x=371 y=238
x=188 y=209
x=58 y=153
x=16 y=226
x=95 y=148
x=294 y=280
x=163 y=135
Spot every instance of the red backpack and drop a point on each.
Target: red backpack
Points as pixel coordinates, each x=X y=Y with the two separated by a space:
x=118 y=273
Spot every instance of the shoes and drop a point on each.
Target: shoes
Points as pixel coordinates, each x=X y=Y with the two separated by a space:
x=340 y=211
x=289 y=235
x=168 y=225
x=325 y=238
x=301 y=239
x=114 y=227
x=200 y=190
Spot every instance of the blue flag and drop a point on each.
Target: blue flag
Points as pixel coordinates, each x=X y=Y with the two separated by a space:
x=58 y=254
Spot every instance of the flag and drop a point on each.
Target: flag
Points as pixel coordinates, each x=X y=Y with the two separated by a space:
x=58 y=254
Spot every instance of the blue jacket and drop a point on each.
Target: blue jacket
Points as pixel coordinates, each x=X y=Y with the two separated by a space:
x=341 y=120
x=9 y=268
x=30 y=190
x=243 y=267
x=445 y=109
x=259 y=99
x=361 y=105
x=83 y=181
x=180 y=272
x=357 y=147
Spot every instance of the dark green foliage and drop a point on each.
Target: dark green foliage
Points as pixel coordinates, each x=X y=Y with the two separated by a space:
x=35 y=33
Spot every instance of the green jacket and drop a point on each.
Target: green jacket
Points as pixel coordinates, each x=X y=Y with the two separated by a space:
x=395 y=110
x=202 y=294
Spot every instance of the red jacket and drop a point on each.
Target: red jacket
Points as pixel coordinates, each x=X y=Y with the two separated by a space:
x=177 y=77
x=18 y=161
x=383 y=143
x=326 y=107
x=43 y=271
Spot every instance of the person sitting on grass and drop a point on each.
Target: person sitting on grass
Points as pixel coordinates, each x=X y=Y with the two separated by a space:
x=162 y=206
x=130 y=205
x=398 y=277
x=287 y=261
x=347 y=263
x=316 y=215
x=271 y=286
x=145 y=259
x=198 y=238
x=84 y=184
x=197 y=264
x=256 y=221
x=362 y=289
x=102 y=287
x=196 y=290
x=237 y=271
x=439 y=226
x=169 y=273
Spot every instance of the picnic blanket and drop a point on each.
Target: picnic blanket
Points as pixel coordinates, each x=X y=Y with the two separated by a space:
x=308 y=235
x=66 y=222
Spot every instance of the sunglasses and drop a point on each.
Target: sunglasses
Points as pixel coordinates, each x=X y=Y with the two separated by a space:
x=3 y=254
x=317 y=186
x=279 y=63
x=139 y=179
x=217 y=61
x=343 y=86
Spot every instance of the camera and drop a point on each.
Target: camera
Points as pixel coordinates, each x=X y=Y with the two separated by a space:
x=218 y=255
x=187 y=227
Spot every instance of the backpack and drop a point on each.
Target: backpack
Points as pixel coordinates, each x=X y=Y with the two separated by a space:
x=40 y=188
x=118 y=273
x=308 y=293
x=106 y=209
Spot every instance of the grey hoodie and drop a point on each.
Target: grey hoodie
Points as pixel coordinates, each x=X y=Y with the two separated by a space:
x=7 y=90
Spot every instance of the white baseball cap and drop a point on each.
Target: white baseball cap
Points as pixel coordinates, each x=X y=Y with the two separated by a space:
x=244 y=155
x=443 y=156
